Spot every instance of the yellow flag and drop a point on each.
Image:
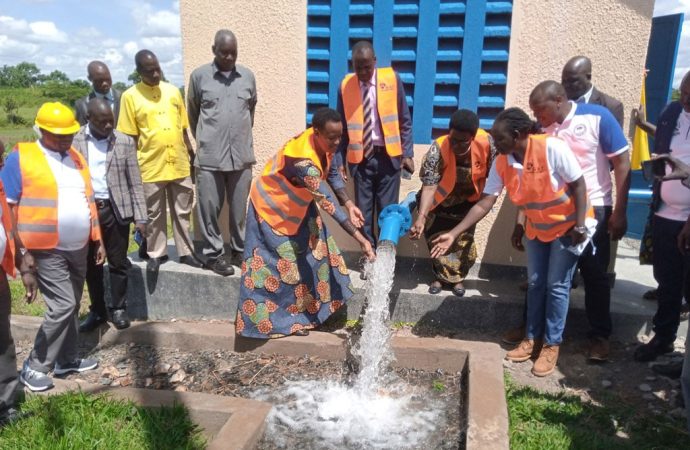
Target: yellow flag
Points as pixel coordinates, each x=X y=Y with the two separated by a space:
x=640 y=150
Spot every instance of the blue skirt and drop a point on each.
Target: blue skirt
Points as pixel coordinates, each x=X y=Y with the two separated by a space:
x=289 y=283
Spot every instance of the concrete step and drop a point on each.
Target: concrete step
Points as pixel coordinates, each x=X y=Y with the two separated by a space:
x=493 y=300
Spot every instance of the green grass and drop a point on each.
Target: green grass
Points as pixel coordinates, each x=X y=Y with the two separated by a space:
x=81 y=421
x=560 y=421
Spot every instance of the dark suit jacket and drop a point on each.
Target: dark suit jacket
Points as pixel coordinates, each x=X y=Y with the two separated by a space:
x=608 y=102
x=81 y=106
x=122 y=175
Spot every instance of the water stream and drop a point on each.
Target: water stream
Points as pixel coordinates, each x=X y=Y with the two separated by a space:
x=375 y=411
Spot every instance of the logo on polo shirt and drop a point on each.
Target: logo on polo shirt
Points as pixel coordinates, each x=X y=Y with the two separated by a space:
x=580 y=130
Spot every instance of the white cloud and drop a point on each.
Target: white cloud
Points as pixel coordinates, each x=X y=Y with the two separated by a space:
x=43 y=42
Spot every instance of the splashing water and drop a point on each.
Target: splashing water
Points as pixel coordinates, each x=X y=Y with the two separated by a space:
x=378 y=411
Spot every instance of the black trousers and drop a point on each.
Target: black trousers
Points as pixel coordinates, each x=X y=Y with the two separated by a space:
x=593 y=268
x=672 y=272
x=9 y=383
x=116 y=240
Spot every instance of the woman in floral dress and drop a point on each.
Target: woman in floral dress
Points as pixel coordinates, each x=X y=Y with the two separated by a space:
x=293 y=275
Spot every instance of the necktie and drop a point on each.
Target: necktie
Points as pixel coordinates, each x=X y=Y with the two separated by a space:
x=368 y=126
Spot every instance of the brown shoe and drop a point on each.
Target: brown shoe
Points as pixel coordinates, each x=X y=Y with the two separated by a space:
x=524 y=351
x=546 y=362
x=599 y=349
x=514 y=336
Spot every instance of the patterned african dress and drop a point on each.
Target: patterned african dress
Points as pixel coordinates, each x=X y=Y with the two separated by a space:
x=294 y=282
x=452 y=267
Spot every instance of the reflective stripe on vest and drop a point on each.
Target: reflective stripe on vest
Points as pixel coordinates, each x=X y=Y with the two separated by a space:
x=8 y=257
x=550 y=214
x=37 y=211
x=480 y=150
x=276 y=200
x=386 y=107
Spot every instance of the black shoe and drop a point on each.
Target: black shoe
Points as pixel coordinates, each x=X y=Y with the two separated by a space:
x=434 y=289
x=652 y=349
x=191 y=261
x=236 y=258
x=120 y=319
x=11 y=415
x=221 y=267
x=91 y=322
x=671 y=370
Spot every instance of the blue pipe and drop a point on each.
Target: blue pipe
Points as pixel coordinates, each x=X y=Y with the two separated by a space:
x=396 y=220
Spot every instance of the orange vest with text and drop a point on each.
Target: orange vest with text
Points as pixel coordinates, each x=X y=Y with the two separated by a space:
x=480 y=149
x=550 y=214
x=276 y=200
x=8 y=257
x=386 y=107
x=37 y=211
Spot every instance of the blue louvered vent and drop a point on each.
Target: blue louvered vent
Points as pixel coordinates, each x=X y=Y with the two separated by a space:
x=449 y=54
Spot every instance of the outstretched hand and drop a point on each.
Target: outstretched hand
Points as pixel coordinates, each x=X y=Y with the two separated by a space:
x=441 y=244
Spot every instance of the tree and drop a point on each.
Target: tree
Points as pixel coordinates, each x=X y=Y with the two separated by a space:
x=56 y=76
x=120 y=86
x=22 y=75
x=134 y=77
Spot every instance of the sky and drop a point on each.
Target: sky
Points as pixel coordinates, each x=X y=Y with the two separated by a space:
x=66 y=34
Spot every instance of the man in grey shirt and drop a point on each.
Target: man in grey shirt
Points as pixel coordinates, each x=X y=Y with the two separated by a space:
x=220 y=103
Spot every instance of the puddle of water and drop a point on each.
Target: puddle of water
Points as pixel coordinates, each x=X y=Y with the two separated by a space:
x=376 y=411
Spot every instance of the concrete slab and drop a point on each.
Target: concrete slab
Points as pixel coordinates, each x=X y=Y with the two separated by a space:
x=492 y=301
x=487 y=412
x=227 y=422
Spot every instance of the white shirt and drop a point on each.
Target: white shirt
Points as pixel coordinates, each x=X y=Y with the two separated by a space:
x=98 y=150
x=584 y=98
x=74 y=218
x=376 y=132
x=593 y=139
x=563 y=168
x=675 y=198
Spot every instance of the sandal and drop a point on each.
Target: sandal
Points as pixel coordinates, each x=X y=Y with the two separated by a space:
x=301 y=332
x=435 y=288
x=459 y=290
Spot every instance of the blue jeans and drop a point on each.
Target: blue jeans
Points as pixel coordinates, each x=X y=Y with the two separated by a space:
x=550 y=268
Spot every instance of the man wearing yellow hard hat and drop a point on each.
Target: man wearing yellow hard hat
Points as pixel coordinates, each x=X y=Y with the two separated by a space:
x=49 y=190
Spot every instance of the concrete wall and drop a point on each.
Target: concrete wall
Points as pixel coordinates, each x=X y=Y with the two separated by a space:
x=545 y=34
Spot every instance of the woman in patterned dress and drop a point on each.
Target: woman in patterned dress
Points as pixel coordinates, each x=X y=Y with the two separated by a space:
x=453 y=174
x=293 y=275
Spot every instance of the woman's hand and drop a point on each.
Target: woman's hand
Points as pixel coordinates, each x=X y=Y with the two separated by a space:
x=367 y=250
x=418 y=227
x=100 y=254
x=355 y=214
x=577 y=234
x=441 y=244
x=516 y=238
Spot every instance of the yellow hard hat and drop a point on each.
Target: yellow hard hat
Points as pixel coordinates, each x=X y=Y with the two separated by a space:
x=56 y=118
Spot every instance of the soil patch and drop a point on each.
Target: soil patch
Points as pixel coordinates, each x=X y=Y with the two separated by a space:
x=228 y=373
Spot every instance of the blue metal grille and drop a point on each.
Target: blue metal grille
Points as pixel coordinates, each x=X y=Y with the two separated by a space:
x=449 y=54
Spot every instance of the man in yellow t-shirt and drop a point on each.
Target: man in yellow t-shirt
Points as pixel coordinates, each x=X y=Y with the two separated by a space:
x=153 y=113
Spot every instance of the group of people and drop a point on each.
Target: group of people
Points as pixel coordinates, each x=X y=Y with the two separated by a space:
x=126 y=158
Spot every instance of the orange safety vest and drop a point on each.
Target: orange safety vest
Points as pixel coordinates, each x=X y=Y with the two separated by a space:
x=387 y=109
x=37 y=211
x=8 y=257
x=480 y=149
x=275 y=199
x=550 y=214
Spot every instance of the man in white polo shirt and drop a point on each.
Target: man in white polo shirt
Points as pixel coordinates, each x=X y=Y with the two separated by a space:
x=49 y=190
x=596 y=139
